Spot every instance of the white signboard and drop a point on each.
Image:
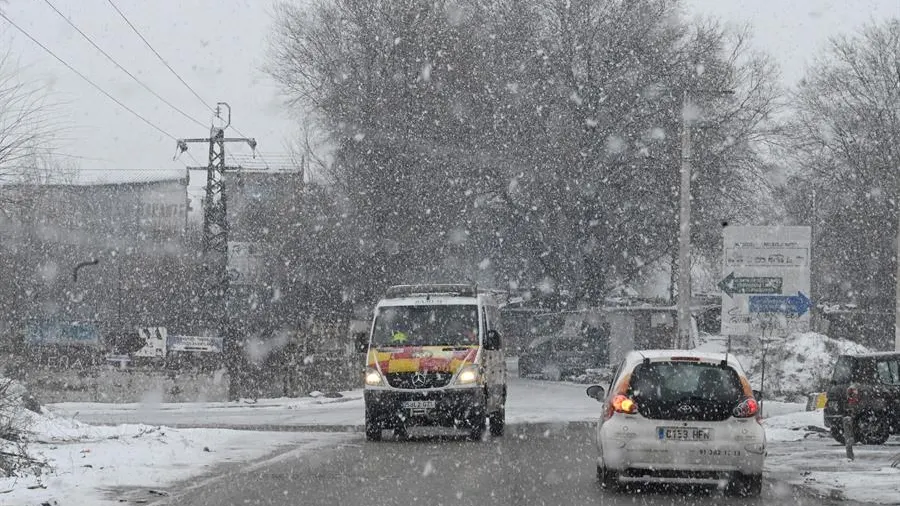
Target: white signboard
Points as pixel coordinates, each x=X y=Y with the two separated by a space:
x=765 y=280
x=196 y=344
x=155 y=339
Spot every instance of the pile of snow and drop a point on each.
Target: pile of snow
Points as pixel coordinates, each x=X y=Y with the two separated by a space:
x=15 y=417
x=796 y=366
x=793 y=423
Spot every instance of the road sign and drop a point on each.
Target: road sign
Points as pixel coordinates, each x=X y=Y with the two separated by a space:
x=763 y=285
x=788 y=304
x=765 y=281
x=154 y=342
x=202 y=344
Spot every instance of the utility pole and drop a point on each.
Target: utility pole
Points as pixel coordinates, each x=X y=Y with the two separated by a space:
x=215 y=239
x=897 y=294
x=683 y=338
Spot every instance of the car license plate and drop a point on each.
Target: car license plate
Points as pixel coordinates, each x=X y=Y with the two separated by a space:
x=683 y=433
x=418 y=404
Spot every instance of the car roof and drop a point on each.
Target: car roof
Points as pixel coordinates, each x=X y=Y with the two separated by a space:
x=637 y=356
x=434 y=300
x=875 y=354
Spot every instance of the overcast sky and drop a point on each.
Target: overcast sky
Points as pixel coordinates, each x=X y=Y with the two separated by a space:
x=219 y=46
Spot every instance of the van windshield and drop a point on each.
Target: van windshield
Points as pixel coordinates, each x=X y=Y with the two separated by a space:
x=444 y=325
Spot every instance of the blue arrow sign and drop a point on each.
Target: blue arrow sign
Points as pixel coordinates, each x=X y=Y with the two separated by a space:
x=789 y=304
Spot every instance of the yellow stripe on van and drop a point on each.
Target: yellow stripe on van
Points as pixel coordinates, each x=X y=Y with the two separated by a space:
x=403 y=365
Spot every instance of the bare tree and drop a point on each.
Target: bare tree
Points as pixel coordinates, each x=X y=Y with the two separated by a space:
x=533 y=142
x=27 y=129
x=846 y=134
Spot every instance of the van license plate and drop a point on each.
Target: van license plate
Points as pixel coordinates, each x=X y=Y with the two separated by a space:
x=418 y=404
x=683 y=433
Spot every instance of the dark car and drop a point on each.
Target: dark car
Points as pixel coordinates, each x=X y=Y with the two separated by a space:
x=556 y=357
x=867 y=388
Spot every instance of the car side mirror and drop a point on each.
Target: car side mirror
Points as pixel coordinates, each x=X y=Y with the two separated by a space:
x=492 y=341
x=361 y=342
x=757 y=394
x=596 y=392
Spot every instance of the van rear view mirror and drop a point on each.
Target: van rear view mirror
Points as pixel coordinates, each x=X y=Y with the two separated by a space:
x=492 y=341
x=361 y=342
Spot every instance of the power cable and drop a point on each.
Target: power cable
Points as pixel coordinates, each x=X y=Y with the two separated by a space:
x=123 y=69
x=163 y=60
x=172 y=70
x=86 y=79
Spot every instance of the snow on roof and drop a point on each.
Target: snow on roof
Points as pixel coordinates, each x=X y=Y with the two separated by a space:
x=89 y=177
x=875 y=354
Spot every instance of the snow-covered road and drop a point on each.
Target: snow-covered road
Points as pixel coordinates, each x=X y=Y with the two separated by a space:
x=154 y=446
x=529 y=401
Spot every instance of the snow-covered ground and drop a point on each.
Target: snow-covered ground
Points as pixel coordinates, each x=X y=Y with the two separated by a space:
x=802 y=452
x=102 y=465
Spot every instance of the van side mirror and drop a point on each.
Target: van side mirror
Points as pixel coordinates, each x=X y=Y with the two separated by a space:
x=361 y=342
x=492 y=341
x=596 y=392
x=757 y=394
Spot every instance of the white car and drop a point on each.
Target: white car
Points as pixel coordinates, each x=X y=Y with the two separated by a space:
x=680 y=417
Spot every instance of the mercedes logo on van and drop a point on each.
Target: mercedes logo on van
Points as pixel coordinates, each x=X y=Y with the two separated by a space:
x=419 y=380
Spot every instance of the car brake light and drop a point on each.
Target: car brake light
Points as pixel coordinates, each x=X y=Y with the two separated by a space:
x=852 y=396
x=746 y=409
x=624 y=404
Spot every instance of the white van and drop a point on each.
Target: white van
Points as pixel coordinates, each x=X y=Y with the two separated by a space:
x=435 y=357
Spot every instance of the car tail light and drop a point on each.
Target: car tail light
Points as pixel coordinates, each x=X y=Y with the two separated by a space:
x=852 y=396
x=621 y=404
x=747 y=408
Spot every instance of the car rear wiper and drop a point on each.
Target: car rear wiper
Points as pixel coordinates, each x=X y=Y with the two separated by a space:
x=698 y=398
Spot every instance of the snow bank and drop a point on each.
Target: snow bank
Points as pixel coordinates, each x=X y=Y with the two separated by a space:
x=101 y=465
x=794 y=426
x=795 y=366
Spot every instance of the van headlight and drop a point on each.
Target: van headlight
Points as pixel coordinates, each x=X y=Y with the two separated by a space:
x=468 y=375
x=374 y=378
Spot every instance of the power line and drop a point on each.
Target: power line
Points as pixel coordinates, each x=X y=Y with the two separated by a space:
x=172 y=70
x=163 y=60
x=86 y=79
x=123 y=69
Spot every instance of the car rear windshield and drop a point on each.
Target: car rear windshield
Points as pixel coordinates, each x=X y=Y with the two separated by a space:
x=679 y=381
x=685 y=390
